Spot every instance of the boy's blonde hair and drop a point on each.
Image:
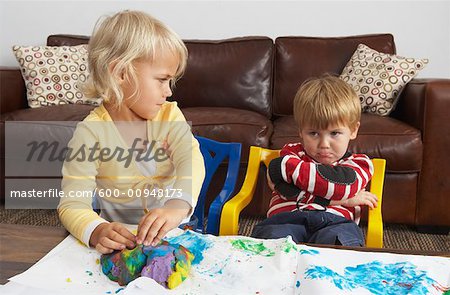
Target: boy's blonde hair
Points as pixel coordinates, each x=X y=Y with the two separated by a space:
x=118 y=41
x=326 y=101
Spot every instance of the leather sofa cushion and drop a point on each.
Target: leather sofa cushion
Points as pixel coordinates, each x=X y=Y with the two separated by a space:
x=378 y=137
x=299 y=58
x=230 y=125
x=19 y=139
x=67 y=112
x=67 y=115
x=238 y=73
x=66 y=40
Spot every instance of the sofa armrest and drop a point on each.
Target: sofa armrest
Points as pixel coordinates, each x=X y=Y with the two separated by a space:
x=425 y=104
x=12 y=90
x=415 y=96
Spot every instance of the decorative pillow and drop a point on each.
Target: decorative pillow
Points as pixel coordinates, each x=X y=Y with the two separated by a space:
x=378 y=78
x=52 y=74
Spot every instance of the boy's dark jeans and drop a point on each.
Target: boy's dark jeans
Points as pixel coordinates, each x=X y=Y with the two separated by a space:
x=317 y=227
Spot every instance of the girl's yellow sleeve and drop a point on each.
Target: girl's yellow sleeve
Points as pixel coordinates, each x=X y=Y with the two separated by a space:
x=78 y=184
x=185 y=155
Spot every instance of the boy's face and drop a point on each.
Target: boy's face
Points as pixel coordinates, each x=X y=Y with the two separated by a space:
x=326 y=146
x=153 y=80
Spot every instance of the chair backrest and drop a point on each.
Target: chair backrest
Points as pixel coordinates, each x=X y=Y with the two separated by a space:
x=229 y=219
x=374 y=236
x=215 y=153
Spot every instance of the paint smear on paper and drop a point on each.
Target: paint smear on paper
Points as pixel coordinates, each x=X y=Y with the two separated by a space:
x=288 y=246
x=379 y=278
x=253 y=247
x=196 y=243
x=309 y=252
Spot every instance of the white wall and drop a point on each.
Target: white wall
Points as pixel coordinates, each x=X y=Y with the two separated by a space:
x=420 y=28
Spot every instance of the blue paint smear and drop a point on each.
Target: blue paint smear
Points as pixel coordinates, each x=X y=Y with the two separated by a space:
x=310 y=251
x=378 y=278
x=297 y=284
x=196 y=243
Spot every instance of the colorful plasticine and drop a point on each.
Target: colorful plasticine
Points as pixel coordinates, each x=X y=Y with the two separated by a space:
x=168 y=264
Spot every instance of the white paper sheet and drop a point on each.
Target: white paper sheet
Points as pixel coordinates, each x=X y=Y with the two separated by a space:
x=242 y=265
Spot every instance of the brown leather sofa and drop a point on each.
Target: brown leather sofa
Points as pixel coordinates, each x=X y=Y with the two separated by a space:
x=241 y=90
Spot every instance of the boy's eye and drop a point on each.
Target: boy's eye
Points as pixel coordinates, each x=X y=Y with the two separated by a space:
x=313 y=133
x=335 y=133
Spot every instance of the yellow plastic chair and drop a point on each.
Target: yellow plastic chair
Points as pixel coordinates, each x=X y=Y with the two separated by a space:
x=229 y=220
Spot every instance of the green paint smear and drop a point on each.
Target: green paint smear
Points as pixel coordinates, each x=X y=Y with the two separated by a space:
x=253 y=247
x=288 y=247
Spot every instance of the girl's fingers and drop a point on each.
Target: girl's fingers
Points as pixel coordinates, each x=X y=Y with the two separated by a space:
x=124 y=236
x=162 y=233
x=102 y=249
x=153 y=231
x=144 y=226
x=119 y=238
x=106 y=244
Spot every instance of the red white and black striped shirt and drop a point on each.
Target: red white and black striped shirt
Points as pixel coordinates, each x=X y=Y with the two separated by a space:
x=338 y=181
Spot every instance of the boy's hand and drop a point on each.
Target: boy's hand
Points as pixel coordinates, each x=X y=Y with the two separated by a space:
x=157 y=222
x=363 y=197
x=269 y=181
x=108 y=237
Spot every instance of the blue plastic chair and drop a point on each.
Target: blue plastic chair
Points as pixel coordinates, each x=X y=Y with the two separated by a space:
x=214 y=153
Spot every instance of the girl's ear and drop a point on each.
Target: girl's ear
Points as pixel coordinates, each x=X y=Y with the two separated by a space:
x=117 y=74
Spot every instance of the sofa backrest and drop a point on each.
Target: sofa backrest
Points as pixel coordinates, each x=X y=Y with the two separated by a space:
x=251 y=73
x=66 y=40
x=237 y=74
x=300 y=58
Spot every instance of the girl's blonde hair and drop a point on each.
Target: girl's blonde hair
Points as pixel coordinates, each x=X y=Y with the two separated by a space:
x=325 y=101
x=119 y=40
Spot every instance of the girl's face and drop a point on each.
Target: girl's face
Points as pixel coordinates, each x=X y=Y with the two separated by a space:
x=327 y=146
x=153 y=81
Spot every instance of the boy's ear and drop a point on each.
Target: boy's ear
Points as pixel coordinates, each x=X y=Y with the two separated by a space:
x=300 y=135
x=355 y=131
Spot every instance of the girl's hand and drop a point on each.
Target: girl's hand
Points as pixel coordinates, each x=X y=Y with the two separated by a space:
x=108 y=237
x=157 y=222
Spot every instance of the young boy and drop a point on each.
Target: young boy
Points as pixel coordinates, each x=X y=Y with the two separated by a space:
x=317 y=184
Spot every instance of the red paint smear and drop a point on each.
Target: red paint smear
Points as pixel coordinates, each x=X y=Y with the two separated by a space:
x=441 y=288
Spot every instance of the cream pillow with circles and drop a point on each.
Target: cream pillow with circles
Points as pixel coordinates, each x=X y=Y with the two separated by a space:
x=378 y=78
x=52 y=74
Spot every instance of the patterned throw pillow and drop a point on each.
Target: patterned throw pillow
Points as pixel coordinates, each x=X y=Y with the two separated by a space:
x=378 y=78
x=52 y=74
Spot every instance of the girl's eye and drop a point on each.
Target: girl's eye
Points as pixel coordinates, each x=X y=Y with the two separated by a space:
x=165 y=80
x=313 y=133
